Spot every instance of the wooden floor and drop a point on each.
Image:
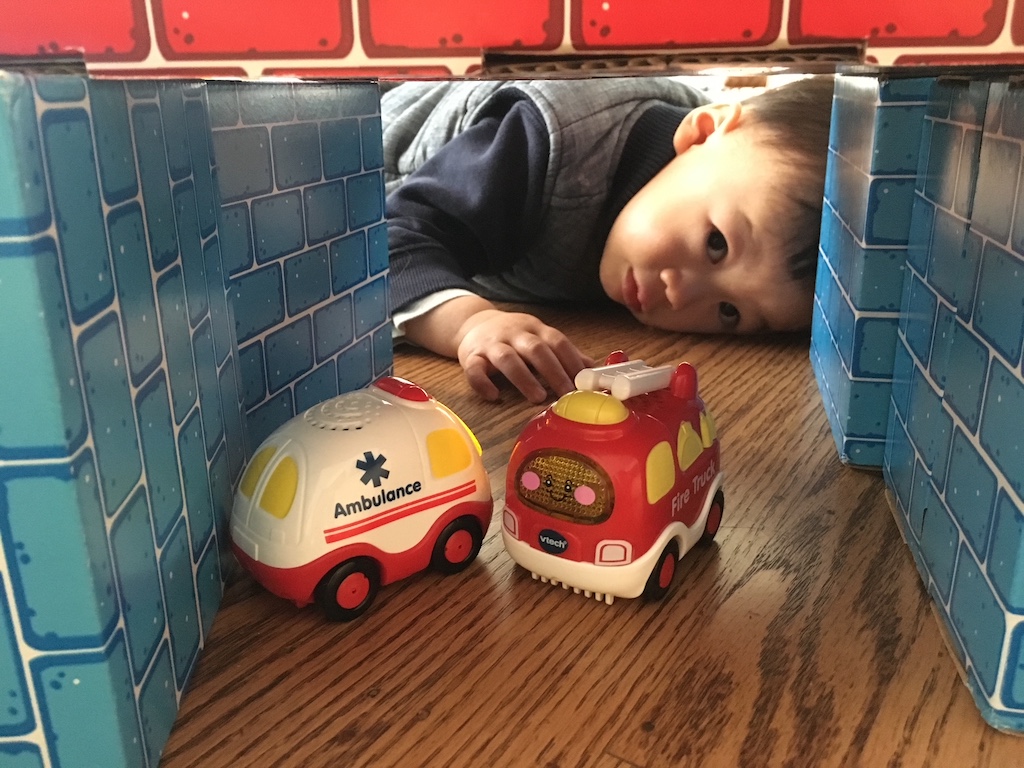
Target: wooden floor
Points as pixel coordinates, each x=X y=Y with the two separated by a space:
x=802 y=637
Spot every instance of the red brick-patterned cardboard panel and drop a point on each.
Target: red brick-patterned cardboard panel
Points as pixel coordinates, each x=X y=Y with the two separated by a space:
x=385 y=37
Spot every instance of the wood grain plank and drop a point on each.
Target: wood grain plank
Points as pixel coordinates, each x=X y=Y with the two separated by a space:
x=802 y=637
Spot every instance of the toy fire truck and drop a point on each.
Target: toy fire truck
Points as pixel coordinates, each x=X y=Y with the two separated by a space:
x=608 y=487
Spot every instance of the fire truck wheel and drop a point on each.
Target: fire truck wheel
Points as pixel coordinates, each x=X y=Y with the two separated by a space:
x=660 y=579
x=714 y=521
x=457 y=546
x=347 y=592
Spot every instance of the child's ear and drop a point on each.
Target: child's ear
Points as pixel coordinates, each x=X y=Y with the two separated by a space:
x=703 y=121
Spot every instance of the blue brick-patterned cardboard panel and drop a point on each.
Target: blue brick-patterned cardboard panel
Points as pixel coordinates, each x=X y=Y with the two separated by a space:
x=121 y=427
x=955 y=460
x=304 y=241
x=874 y=154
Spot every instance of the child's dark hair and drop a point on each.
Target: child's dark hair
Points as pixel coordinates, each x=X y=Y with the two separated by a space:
x=797 y=117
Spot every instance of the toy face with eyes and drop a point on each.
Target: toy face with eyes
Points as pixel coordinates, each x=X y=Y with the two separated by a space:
x=566 y=485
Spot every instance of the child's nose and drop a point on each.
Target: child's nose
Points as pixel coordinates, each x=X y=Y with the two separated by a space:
x=681 y=288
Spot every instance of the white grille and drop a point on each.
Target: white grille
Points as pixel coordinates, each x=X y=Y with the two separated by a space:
x=350 y=411
x=601 y=597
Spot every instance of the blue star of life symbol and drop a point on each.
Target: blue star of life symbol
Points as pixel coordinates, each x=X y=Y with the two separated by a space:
x=373 y=468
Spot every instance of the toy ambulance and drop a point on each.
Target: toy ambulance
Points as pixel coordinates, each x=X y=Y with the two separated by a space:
x=608 y=487
x=360 y=491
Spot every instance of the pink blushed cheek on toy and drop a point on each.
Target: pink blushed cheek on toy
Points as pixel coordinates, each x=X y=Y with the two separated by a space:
x=530 y=481
x=585 y=495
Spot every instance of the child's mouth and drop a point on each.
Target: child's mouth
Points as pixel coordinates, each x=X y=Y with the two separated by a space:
x=631 y=292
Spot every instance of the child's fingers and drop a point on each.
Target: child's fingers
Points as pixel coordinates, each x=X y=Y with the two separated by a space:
x=551 y=367
x=477 y=371
x=507 y=361
x=572 y=360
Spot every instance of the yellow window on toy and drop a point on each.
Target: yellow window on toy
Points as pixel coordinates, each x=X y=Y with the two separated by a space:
x=279 y=493
x=708 y=430
x=476 y=443
x=255 y=470
x=690 y=445
x=447 y=452
x=661 y=474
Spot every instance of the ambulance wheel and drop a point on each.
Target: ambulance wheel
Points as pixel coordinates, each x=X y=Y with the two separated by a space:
x=660 y=579
x=714 y=521
x=457 y=546
x=346 y=592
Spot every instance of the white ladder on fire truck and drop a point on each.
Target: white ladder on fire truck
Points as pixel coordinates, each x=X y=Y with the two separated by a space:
x=625 y=380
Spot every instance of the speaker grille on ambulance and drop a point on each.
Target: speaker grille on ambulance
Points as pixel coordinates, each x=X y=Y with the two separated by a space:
x=350 y=411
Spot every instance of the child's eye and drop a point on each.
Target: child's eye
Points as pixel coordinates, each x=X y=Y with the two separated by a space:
x=728 y=315
x=718 y=248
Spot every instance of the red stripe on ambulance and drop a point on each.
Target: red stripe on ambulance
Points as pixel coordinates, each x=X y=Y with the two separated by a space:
x=405 y=510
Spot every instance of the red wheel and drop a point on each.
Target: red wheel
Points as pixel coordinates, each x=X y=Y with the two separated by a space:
x=347 y=592
x=714 y=521
x=668 y=570
x=352 y=591
x=660 y=580
x=457 y=546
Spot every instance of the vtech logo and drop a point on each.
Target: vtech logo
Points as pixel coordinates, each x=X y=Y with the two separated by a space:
x=552 y=542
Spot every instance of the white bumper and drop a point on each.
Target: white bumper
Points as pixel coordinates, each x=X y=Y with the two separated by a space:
x=603 y=582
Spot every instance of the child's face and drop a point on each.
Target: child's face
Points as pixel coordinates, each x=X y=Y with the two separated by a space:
x=701 y=247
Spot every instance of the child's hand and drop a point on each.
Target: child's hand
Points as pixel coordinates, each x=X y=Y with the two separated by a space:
x=521 y=348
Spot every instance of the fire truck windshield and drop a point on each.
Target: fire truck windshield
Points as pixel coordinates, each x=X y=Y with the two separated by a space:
x=566 y=485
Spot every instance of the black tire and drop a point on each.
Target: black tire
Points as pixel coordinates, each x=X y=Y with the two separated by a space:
x=347 y=592
x=457 y=546
x=714 y=520
x=660 y=580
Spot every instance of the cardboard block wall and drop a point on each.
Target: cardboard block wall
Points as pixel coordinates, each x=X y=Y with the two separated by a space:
x=872 y=166
x=917 y=343
x=303 y=239
x=954 y=459
x=127 y=409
